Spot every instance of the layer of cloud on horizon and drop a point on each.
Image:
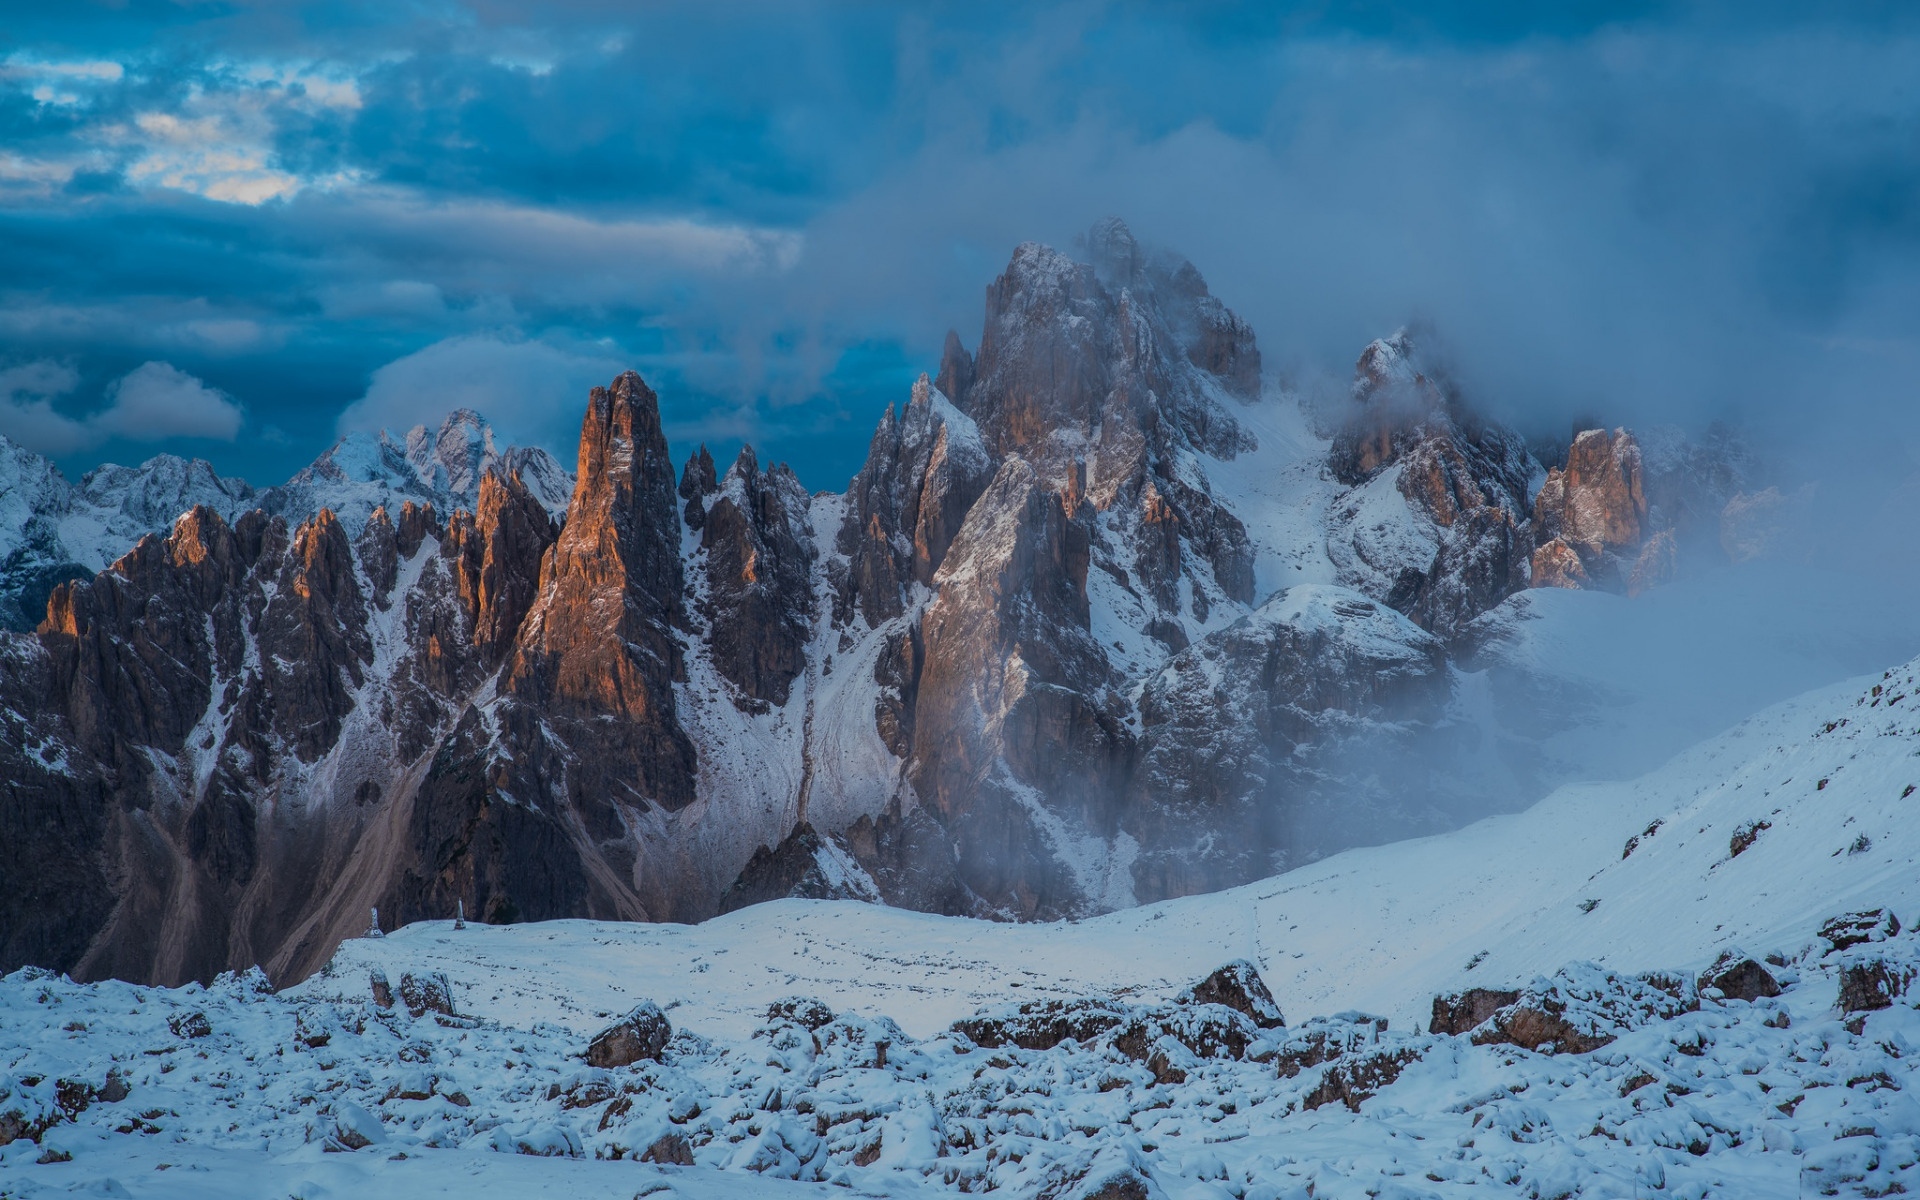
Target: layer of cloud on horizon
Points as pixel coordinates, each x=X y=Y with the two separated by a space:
x=154 y=402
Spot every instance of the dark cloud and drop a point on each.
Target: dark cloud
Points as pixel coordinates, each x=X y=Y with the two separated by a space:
x=1655 y=212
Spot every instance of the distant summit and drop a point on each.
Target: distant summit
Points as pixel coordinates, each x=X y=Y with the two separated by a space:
x=442 y=467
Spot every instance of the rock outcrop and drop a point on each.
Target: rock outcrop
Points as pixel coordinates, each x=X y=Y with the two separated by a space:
x=1314 y=674
x=1453 y=542
x=925 y=468
x=1592 y=512
x=758 y=598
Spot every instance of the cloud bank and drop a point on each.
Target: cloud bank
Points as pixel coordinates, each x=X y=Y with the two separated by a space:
x=531 y=392
x=154 y=402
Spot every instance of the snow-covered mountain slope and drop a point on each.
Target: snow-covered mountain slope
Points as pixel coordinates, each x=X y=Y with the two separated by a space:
x=442 y=467
x=1591 y=685
x=52 y=531
x=1603 y=1070
x=1381 y=929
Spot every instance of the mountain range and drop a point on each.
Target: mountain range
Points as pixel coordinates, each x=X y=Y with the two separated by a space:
x=1106 y=617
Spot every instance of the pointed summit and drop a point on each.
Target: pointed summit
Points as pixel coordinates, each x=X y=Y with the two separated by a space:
x=598 y=641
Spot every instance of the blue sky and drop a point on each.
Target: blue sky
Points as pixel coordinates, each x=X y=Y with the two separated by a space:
x=236 y=230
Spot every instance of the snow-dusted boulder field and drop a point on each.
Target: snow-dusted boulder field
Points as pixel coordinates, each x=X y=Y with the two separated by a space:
x=1694 y=983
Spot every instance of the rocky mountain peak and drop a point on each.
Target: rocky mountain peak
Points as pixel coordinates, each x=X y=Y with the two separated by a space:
x=597 y=646
x=1397 y=404
x=1113 y=363
x=925 y=467
x=453 y=457
x=757 y=591
x=1591 y=521
x=1115 y=253
x=442 y=466
x=956 y=370
x=1462 y=547
x=697 y=482
x=163 y=487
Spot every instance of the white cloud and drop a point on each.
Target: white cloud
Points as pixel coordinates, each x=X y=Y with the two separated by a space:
x=531 y=392
x=59 y=84
x=153 y=402
x=220 y=144
x=158 y=400
x=494 y=243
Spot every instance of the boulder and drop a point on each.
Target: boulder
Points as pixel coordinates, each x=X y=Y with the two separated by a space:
x=423 y=994
x=1239 y=987
x=804 y=1011
x=1871 y=984
x=1738 y=977
x=669 y=1150
x=1460 y=1012
x=1858 y=928
x=1043 y=1024
x=643 y=1034
x=353 y=1128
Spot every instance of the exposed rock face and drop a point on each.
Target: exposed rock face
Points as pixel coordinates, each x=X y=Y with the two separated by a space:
x=758 y=602
x=598 y=641
x=1461 y=545
x=1217 y=801
x=911 y=861
x=1595 y=507
x=237 y=654
x=979 y=528
x=1004 y=710
x=806 y=866
x=1627 y=512
x=924 y=470
x=1463 y=1012
x=497 y=555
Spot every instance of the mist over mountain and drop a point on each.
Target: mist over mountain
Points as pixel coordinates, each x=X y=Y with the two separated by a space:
x=1081 y=602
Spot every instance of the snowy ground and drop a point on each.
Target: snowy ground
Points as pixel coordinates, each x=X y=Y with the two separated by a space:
x=1776 y=1098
